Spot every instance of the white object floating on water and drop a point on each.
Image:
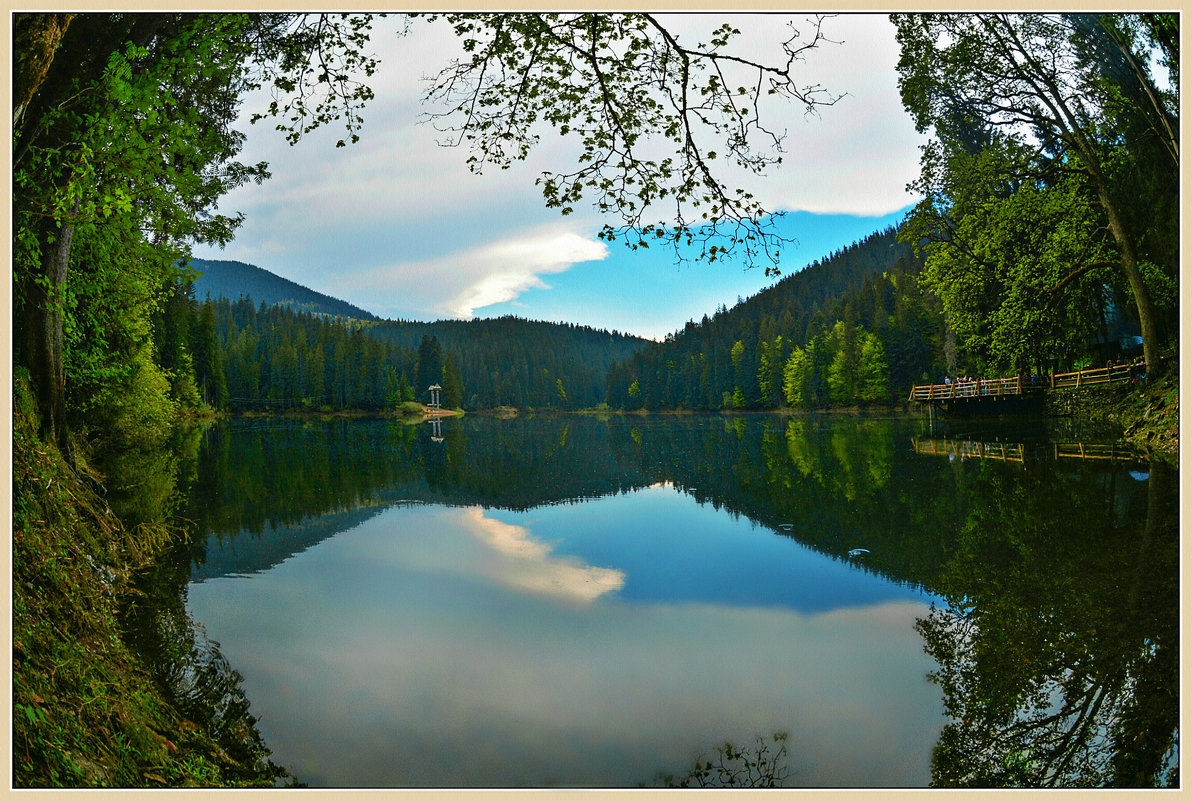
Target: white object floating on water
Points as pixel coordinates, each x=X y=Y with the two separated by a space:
x=786 y=526
x=858 y=551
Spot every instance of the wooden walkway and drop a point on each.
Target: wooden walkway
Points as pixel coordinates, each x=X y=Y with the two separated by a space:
x=1017 y=386
x=975 y=389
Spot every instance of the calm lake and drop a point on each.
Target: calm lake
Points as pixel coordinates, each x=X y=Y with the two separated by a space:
x=567 y=601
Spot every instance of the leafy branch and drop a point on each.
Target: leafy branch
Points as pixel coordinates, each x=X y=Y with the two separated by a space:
x=648 y=113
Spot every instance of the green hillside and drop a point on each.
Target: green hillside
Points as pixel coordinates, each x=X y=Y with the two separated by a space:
x=509 y=361
x=234 y=279
x=861 y=326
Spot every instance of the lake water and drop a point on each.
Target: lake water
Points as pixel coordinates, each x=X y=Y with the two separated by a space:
x=566 y=601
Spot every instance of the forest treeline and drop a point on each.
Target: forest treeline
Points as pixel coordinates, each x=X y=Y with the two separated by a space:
x=852 y=328
x=244 y=356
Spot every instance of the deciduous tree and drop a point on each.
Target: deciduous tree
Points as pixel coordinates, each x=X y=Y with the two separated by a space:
x=1061 y=93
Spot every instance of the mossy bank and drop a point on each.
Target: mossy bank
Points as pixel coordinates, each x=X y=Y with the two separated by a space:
x=1146 y=415
x=87 y=709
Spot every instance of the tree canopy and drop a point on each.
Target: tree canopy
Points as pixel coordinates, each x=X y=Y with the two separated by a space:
x=1051 y=136
x=653 y=116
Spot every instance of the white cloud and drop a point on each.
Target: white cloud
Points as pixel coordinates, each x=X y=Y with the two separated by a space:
x=524 y=563
x=513 y=266
x=459 y=283
x=398 y=225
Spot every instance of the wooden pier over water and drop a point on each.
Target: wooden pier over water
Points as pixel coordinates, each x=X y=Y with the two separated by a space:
x=981 y=394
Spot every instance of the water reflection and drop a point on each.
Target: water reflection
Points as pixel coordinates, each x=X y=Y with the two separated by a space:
x=1058 y=651
x=1021 y=452
x=147 y=487
x=424 y=665
x=574 y=601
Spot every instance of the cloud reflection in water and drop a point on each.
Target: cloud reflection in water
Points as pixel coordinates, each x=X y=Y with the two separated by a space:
x=438 y=646
x=521 y=562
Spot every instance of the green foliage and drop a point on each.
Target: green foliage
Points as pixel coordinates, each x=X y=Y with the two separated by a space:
x=798 y=376
x=995 y=253
x=761 y=764
x=138 y=409
x=119 y=160
x=640 y=102
x=873 y=373
x=844 y=366
x=1053 y=161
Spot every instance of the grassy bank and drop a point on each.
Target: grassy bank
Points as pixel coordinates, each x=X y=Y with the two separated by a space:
x=86 y=710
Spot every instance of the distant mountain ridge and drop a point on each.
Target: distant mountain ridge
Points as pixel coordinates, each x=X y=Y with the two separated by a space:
x=235 y=279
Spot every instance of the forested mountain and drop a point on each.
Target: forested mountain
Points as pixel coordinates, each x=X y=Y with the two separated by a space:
x=854 y=327
x=247 y=356
x=234 y=279
x=281 y=347
x=508 y=361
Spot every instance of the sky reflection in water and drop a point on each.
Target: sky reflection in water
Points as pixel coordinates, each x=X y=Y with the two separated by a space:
x=594 y=644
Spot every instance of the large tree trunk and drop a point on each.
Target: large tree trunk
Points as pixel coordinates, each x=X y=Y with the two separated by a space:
x=1129 y=265
x=36 y=38
x=54 y=55
x=41 y=336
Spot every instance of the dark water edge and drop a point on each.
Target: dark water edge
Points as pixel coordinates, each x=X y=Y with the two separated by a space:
x=342 y=468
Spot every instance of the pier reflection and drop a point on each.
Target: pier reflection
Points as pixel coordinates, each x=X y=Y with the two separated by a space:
x=1023 y=452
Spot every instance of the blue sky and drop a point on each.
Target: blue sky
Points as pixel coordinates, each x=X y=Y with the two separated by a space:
x=648 y=292
x=397 y=225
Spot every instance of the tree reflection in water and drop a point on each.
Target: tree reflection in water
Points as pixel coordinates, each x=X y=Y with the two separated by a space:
x=147 y=486
x=1058 y=651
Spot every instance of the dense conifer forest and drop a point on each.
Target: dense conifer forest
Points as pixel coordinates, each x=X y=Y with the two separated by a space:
x=508 y=361
x=852 y=328
x=244 y=356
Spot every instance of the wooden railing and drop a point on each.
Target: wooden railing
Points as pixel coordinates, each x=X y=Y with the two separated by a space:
x=1098 y=375
x=976 y=388
x=995 y=387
